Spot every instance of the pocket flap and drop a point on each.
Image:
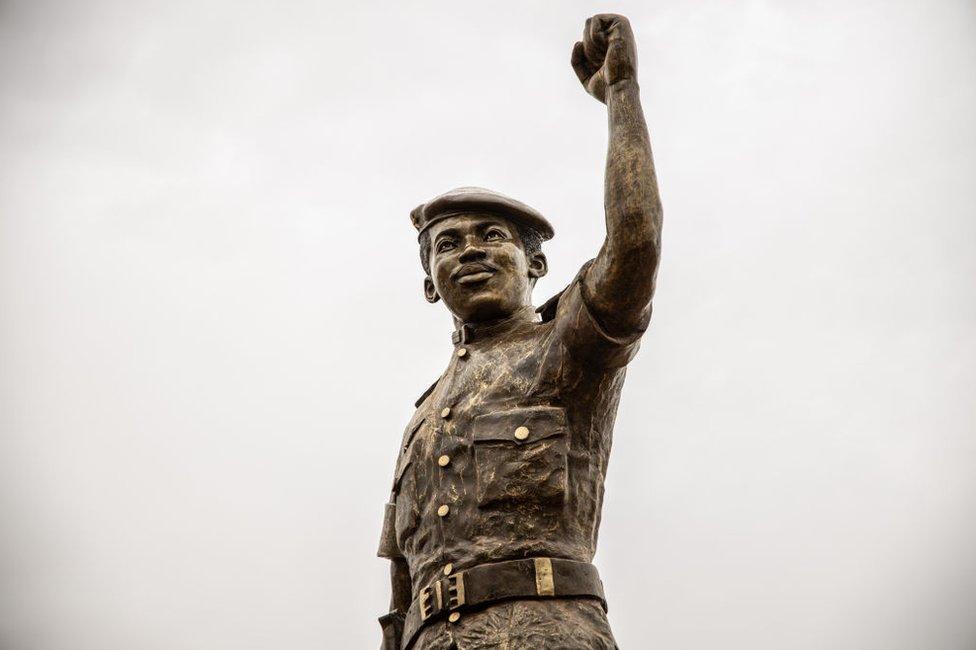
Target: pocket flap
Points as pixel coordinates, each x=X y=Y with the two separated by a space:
x=520 y=425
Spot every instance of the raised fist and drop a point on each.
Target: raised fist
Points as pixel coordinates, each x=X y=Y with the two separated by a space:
x=606 y=55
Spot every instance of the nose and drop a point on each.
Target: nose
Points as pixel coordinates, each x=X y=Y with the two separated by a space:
x=471 y=253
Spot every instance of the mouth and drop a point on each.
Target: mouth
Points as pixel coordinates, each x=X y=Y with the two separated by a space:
x=473 y=274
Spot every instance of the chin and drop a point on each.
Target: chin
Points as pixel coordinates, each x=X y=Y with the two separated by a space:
x=484 y=305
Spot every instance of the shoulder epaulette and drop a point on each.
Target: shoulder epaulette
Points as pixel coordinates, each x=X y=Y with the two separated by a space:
x=420 y=400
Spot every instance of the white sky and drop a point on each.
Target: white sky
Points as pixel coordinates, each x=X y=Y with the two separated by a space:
x=212 y=329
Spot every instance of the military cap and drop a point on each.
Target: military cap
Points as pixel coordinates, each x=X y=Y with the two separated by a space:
x=469 y=200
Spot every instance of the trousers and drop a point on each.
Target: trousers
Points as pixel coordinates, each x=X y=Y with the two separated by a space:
x=546 y=624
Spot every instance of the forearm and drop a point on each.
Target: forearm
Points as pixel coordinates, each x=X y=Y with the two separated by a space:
x=621 y=282
x=631 y=201
x=392 y=623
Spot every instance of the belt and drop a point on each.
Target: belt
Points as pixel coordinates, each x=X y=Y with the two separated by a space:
x=540 y=577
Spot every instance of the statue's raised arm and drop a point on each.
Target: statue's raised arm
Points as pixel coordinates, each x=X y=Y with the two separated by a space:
x=620 y=283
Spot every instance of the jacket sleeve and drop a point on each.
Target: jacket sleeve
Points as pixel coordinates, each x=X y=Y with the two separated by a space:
x=582 y=334
x=392 y=625
x=388 y=546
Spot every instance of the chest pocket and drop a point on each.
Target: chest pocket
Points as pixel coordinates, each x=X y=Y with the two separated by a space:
x=520 y=455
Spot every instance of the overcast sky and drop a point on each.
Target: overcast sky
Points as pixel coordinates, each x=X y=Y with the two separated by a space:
x=212 y=329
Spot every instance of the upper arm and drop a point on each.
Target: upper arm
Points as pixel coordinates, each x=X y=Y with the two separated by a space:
x=620 y=284
x=584 y=335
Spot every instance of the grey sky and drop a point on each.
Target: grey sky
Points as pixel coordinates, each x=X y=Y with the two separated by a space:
x=212 y=329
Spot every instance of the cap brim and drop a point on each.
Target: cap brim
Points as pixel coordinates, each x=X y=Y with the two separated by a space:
x=478 y=201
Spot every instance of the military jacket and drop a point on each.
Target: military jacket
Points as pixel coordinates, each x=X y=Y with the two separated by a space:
x=506 y=454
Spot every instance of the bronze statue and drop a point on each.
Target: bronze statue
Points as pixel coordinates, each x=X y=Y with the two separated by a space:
x=495 y=507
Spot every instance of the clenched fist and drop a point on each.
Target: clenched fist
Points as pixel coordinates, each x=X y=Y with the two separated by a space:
x=606 y=55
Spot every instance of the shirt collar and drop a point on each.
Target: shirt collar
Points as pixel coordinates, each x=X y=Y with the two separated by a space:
x=469 y=332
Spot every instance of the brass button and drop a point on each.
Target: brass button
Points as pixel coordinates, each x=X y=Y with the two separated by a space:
x=454 y=617
x=444 y=460
x=521 y=433
x=448 y=568
x=446 y=412
x=443 y=510
x=461 y=352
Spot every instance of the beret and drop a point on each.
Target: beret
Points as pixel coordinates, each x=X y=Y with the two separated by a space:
x=476 y=200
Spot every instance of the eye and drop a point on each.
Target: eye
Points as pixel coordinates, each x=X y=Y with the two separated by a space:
x=444 y=245
x=493 y=235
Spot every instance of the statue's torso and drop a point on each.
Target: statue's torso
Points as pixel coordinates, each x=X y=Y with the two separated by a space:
x=514 y=440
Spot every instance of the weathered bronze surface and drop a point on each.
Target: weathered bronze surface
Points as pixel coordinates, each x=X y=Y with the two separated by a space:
x=498 y=486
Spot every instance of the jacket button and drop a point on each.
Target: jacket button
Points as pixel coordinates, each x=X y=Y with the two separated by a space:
x=448 y=568
x=444 y=460
x=443 y=510
x=521 y=433
x=446 y=412
x=461 y=352
x=454 y=617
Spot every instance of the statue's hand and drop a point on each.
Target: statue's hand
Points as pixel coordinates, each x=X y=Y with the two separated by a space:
x=606 y=55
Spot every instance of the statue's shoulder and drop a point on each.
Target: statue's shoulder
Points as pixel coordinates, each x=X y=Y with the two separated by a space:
x=426 y=393
x=549 y=308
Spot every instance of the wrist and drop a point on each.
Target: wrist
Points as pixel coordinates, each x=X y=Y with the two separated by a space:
x=623 y=87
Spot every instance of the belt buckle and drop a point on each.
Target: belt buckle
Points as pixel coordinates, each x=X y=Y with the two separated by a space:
x=427 y=607
x=455 y=590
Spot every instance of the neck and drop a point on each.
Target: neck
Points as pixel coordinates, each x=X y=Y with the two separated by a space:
x=524 y=314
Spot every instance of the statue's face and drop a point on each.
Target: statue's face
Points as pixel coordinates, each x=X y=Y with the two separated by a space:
x=479 y=267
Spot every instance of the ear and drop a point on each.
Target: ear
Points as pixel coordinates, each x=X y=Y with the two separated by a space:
x=538 y=266
x=430 y=293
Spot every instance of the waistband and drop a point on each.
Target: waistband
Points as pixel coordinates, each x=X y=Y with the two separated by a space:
x=540 y=577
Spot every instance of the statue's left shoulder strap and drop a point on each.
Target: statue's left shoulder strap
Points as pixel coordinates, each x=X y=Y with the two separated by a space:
x=426 y=394
x=548 y=309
